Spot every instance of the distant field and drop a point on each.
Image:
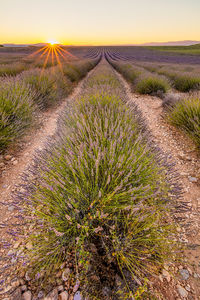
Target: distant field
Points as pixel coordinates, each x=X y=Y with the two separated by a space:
x=191 y=50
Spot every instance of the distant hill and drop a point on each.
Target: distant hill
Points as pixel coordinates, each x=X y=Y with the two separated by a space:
x=177 y=43
x=16 y=45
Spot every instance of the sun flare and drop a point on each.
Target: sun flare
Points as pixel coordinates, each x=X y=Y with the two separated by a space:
x=52 y=42
x=52 y=54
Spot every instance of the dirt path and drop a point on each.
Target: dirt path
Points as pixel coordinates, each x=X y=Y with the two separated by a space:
x=16 y=165
x=181 y=151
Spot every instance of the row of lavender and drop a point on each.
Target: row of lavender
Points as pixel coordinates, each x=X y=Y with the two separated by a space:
x=183 y=78
x=21 y=97
x=99 y=198
x=182 y=110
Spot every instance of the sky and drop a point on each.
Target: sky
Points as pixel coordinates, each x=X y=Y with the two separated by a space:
x=99 y=22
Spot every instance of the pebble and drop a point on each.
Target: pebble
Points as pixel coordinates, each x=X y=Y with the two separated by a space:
x=166 y=275
x=41 y=294
x=75 y=289
x=27 y=295
x=188 y=288
x=60 y=288
x=23 y=288
x=16 y=245
x=63 y=296
x=65 y=274
x=193 y=179
x=15 y=162
x=184 y=274
x=27 y=277
x=7 y=157
x=29 y=246
x=16 y=295
x=53 y=295
x=182 y=292
x=2 y=165
x=15 y=283
x=11 y=208
x=77 y=296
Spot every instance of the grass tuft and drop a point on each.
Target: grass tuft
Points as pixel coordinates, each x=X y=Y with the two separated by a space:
x=152 y=86
x=186 y=83
x=16 y=110
x=185 y=115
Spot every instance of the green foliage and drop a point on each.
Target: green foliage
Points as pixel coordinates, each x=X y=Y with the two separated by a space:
x=127 y=71
x=19 y=95
x=77 y=70
x=102 y=187
x=71 y=73
x=44 y=85
x=186 y=83
x=152 y=85
x=186 y=115
x=187 y=50
x=12 y=69
x=143 y=82
x=16 y=110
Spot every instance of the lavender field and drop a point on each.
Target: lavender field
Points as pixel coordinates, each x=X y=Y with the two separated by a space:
x=100 y=173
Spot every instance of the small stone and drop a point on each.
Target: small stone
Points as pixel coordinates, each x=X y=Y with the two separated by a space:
x=63 y=296
x=182 y=292
x=17 y=244
x=106 y=292
x=77 y=296
x=17 y=295
x=183 y=174
x=11 y=208
x=41 y=294
x=75 y=288
x=27 y=295
x=22 y=282
x=27 y=277
x=2 y=165
x=15 y=162
x=60 y=288
x=8 y=288
x=23 y=288
x=166 y=275
x=7 y=157
x=188 y=288
x=65 y=274
x=184 y=274
x=29 y=246
x=15 y=283
x=53 y=295
x=193 y=179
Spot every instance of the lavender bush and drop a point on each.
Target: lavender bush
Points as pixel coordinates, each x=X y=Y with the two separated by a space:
x=16 y=110
x=102 y=193
x=12 y=69
x=185 y=114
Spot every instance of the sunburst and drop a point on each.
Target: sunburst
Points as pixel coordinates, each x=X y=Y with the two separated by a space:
x=53 y=52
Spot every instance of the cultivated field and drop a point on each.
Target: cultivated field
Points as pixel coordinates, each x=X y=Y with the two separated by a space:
x=100 y=173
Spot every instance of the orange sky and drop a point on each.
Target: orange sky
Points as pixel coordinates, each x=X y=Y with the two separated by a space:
x=82 y=22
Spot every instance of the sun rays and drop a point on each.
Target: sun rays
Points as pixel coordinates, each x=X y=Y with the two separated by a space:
x=52 y=54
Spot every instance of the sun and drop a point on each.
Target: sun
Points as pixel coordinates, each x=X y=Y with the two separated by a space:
x=52 y=42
